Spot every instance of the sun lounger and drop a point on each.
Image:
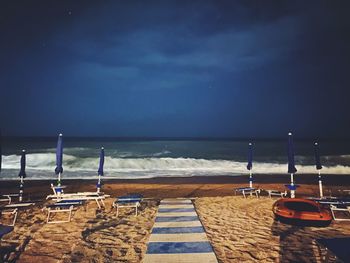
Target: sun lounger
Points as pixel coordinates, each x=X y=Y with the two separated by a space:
x=12 y=210
x=8 y=197
x=332 y=200
x=86 y=196
x=240 y=189
x=12 y=213
x=247 y=191
x=5 y=230
x=58 y=190
x=99 y=199
x=276 y=193
x=63 y=206
x=340 y=208
x=5 y=198
x=128 y=201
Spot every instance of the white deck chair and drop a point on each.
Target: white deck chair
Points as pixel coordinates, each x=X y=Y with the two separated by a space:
x=64 y=206
x=340 y=208
x=248 y=191
x=276 y=193
x=8 y=198
x=12 y=210
x=86 y=196
x=128 y=201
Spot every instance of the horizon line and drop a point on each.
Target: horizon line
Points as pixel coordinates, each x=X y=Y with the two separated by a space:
x=176 y=138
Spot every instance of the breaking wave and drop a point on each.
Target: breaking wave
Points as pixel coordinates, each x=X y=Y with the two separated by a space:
x=41 y=165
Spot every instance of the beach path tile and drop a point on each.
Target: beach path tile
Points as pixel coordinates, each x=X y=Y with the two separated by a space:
x=178 y=236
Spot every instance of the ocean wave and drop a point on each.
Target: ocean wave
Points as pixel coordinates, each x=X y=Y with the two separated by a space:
x=38 y=163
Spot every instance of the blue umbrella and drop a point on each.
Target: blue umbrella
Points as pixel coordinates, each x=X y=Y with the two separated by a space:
x=250 y=164
x=291 y=165
x=318 y=167
x=22 y=174
x=100 y=168
x=59 y=158
x=317 y=157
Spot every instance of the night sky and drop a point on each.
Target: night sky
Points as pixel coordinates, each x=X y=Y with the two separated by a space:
x=162 y=68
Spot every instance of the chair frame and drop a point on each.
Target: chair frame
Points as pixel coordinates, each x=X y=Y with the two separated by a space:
x=98 y=197
x=276 y=193
x=11 y=212
x=12 y=209
x=127 y=202
x=248 y=190
x=8 y=198
x=64 y=207
x=343 y=209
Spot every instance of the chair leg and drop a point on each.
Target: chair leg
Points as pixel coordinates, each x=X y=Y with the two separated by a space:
x=15 y=217
x=70 y=214
x=98 y=204
x=48 y=215
x=136 y=210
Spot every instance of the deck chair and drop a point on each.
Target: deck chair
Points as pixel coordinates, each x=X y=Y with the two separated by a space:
x=12 y=210
x=276 y=193
x=58 y=191
x=8 y=198
x=332 y=200
x=63 y=206
x=340 y=208
x=128 y=201
x=85 y=196
x=248 y=191
x=5 y=198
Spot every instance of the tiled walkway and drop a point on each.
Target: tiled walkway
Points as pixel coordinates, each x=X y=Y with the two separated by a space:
x=178 y=236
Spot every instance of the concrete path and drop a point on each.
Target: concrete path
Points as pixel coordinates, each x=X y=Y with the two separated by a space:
x=178 y=236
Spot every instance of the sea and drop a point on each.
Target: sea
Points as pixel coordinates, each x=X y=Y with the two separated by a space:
x=149 y=158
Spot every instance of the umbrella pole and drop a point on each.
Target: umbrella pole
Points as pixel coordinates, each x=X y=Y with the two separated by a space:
x=250 y=179
x=20 y=198
x=292 y=192
x=320 y=183
x=99 y=183
x=59 y=179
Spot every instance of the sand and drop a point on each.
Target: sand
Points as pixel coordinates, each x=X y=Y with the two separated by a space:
x=240 y=230
x=244 y=230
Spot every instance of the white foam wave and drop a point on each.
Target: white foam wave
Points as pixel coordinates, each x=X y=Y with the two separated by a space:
x=153 y=167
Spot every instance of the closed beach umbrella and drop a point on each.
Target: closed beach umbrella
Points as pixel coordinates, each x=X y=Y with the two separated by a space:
x=100 y=168
x=291 y=165
x=250 y=164
x=59 y=159
x=22 y=174
x=318 y=167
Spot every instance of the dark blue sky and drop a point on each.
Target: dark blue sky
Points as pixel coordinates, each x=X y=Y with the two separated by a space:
x=175 y=68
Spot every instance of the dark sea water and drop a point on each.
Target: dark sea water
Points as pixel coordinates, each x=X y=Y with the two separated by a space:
x=161 y=158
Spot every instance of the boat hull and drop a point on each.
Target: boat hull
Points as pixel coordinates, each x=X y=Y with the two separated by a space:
x=301 y=211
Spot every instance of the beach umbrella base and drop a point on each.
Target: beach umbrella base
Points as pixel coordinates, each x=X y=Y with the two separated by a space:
x=292 y=188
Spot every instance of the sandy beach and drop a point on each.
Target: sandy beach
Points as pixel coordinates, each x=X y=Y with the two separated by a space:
x=240 y=230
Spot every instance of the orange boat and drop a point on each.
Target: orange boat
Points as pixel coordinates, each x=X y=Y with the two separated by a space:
x=298 y=210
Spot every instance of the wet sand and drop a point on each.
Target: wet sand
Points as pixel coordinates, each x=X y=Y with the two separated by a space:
x=240 y=230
